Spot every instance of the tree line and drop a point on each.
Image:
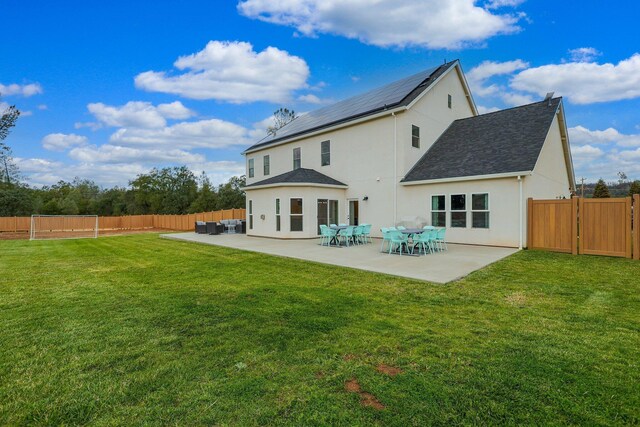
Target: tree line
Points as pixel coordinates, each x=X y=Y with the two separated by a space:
x=174 y=190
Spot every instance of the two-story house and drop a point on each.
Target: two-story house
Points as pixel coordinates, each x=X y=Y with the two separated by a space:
x=413 y=152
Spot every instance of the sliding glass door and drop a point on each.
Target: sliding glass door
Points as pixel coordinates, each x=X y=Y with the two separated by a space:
x=327 y=212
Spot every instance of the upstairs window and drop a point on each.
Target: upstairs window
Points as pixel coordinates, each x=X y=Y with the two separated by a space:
x=296 y=158
x=251 y=168
x=325 y=153
x=266 y=165
x=449 y=101
x=415 y=136
x=459 y=210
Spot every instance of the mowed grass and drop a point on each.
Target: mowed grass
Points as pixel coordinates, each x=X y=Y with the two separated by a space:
x=140 y=330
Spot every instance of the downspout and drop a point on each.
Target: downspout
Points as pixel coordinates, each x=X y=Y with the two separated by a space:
x=395 y=168
x=520 y=210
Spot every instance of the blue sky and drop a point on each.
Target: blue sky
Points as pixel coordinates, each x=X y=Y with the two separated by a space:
x=110 y=90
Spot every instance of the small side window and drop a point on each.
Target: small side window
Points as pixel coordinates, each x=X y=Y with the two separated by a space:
x=415 y=136
x=449 y=101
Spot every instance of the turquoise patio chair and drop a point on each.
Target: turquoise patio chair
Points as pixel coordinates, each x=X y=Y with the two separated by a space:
x=423 y=242
x=440 y=239
x=366 y=233
x=386 y=237
x=399 y=240
x=332 y=225
x=401 y=227
x=346 y=235
x=358 y=234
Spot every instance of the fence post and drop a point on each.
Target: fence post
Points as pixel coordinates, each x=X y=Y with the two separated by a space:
x=529 y=222
x=628 y=228
x=636 y=226
x=581 y=225
x=574 y=226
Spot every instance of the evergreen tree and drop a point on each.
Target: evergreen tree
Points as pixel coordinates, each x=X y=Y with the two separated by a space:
x=601 y=191
x=634 y=188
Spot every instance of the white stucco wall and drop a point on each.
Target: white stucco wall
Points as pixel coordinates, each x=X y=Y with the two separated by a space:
x=263 y=201
x=414 y=208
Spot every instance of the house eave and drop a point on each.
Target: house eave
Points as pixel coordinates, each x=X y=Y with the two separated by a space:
x=293 y=184
x=467 y=178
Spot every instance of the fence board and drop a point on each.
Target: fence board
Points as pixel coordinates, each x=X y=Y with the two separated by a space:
x=551 y=225
x=127 y=222
x=605 y=227
x=636 y=226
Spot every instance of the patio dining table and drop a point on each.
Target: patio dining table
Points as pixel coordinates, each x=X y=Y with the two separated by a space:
x=412 y=231
x=335 y=240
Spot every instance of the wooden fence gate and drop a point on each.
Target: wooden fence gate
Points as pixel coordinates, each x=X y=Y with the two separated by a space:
x=605 y=227
x=585 y=226
x=553 y=225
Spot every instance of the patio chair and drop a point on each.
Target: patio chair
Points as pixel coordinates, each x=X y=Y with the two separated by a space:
x=440 y=238
x=343 y=225
x=386 y=237
x=326 y=235
x=428 y=227
x=333 y=225
x=401 y=227
x=423 y=242
x=399 y=240
x=346 y=234
x=366 y=233
x=201 y=227
x=357 y=235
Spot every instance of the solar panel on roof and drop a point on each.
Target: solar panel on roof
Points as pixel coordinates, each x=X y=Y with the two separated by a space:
x=387 y=95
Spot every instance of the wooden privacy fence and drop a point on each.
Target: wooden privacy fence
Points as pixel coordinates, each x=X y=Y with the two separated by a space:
x=131 y=222
x=586 y=226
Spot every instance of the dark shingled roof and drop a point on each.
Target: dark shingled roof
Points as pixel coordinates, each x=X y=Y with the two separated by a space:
x=396 y=94
x=299 y=176
x=494 y=143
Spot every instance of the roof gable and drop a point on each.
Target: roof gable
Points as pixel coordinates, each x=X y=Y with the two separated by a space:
x=501 y=142
x=397 y=94
x=299 y=176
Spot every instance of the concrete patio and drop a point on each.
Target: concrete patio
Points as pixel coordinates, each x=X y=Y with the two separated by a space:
x=443 y=267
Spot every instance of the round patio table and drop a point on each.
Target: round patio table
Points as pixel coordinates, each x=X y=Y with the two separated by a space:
x=335 y=238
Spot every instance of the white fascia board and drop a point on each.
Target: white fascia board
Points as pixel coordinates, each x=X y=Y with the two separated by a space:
x=294 y=184
x=468 y=178
x=463 y=80
x=329 y=129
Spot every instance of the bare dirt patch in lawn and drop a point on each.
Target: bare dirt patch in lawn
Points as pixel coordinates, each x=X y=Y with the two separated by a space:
x=366 y=398
x=392 y=371
x=348 y=357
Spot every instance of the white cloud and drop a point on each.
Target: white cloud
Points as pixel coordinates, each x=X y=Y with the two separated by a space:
x=42 y=107
x=213 y=133
x=312 y=99
x=23 y=90
x=432 y=24
x=232 y=72
x=484 y=110
x=496 y=4
x=584 y=82
x=486 y=70
x=586 y=151
x=137 y=114
x=580 y=135
x=108 y=153
x=584 y=54
x=61 y=141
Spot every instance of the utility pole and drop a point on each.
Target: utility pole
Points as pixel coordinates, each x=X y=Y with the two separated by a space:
x=582 y=188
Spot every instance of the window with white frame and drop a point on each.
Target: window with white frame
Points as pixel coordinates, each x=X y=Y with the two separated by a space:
x=266 y=165
x=251 y=168
x=277 y=214
x=458 y=207
x=438 y=211
x=415 y=136
x=250 y=214
x=325 y=153
x=480 y=210
x=295 y=214
x=297 y=164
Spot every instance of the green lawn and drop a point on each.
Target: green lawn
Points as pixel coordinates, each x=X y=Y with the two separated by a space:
x=140 y=330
